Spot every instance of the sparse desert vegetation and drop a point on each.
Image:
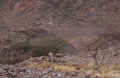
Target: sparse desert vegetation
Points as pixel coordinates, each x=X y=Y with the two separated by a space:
x=59 y=38
x=46 y=45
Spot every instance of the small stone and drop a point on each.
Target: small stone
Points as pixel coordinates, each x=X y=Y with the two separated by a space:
x=87 y=76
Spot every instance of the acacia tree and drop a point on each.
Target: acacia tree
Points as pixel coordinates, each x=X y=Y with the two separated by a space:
x=94 y=47
x=48 y=44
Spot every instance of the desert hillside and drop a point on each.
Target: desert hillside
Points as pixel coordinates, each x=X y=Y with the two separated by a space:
x=69 y=19
x=86 y=25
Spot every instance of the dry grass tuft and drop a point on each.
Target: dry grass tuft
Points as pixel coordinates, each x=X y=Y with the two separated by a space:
x=43 y=64
x=65 y=68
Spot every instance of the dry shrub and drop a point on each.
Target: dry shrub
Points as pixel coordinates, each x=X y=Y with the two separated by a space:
x=46 y=45
x=43 y=64
x=65 y=68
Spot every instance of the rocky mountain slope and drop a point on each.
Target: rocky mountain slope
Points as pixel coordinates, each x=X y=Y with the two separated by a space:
x=66 y=18
x=87 y=25
x=77 y=21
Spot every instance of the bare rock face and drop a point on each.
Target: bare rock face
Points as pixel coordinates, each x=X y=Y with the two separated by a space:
x=102 y=41
x=66 y=18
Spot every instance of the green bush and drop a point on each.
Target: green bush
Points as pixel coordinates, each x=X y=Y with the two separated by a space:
x=46 y=45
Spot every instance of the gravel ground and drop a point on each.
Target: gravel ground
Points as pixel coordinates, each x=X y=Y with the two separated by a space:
x=10 y=71
x=19 y=71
